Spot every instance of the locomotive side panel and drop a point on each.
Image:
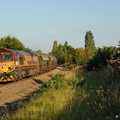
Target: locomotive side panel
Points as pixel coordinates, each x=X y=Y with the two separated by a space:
x=28 y=64
x=25 y=58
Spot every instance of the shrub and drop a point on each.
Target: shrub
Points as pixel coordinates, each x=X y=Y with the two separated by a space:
x=99 y=58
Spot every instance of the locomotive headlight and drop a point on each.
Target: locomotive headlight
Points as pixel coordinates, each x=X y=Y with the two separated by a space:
x=11 y=67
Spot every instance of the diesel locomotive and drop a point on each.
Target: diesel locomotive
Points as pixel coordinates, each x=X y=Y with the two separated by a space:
x=16 y=65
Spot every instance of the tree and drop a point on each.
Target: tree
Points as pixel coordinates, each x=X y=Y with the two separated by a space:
x=11 y=43
x=66 y=43
x=60 y=54
x=28 y=49
x=63 y=53
x=55 y=47
x=79 y=56
x=99 y=58
x=70 y=54
x=37 y=52
x=89 y=41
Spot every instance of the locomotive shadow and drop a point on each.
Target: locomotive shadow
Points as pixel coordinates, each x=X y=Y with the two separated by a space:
x=38 y=81
x=1 y=83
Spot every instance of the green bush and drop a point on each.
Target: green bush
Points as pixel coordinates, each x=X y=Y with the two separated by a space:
x=58 y=81
x=98 y=60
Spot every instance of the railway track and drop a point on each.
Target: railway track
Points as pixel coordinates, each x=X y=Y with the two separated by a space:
x=13 y=82
x=65 y=67
x=24 y=79
x=24 y=87
x=9 y=83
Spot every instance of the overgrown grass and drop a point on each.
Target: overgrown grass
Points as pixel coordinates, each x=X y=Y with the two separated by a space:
x=103 y=97
x=89 y=96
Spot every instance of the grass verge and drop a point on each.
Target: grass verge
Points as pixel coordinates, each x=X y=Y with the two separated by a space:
x=85 y=96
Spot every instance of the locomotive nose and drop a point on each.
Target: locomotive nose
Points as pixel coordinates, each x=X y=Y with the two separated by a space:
x=3 y=68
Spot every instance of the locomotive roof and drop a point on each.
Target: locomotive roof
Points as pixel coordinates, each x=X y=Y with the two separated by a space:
x=44 y=56
x=22 y=53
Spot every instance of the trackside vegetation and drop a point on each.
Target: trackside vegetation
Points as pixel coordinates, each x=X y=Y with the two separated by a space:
x=84 y=96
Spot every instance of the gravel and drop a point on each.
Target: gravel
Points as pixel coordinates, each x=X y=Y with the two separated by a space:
x=18 y=90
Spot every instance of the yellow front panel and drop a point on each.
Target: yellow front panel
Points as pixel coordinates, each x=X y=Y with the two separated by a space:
x=7 y=67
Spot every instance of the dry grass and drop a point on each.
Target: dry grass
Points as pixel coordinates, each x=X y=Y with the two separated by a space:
x=94 y=98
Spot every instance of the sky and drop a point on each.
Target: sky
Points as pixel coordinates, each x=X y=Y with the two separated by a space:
x=38 y=23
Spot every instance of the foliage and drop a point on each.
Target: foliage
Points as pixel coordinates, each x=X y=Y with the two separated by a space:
x=70 y=55
x=66 y=43
x=37 y=52
x=11 y=43
x=58 y=81
x=55 y=47
x=89 y=41
x=99 y=58
x=95 y=97
x=28 y=49
x=67 y=54
x=15 y=44
x=48 y=105
x=63 y=53
x=88 y=54
x=103 y=99
x=79 y=56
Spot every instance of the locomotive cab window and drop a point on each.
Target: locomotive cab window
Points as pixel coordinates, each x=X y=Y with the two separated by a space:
x=8 y=57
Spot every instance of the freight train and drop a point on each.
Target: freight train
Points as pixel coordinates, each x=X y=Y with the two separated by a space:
x=16 y=65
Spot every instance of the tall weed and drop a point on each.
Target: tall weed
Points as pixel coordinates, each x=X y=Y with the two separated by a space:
x=103 y=96
x=85 y=96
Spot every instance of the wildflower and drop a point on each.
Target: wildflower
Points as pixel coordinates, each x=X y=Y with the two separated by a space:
x=99 y=91
x=116 y=116
x=88 y=103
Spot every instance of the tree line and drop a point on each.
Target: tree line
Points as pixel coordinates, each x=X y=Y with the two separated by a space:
x=15 y=44
x=89 y=56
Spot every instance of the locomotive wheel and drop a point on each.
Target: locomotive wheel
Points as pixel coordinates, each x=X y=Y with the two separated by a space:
x=15 y=77
x=20 y=77
x=24 y=74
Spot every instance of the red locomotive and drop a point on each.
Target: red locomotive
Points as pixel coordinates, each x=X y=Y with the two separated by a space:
x=15 y=64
